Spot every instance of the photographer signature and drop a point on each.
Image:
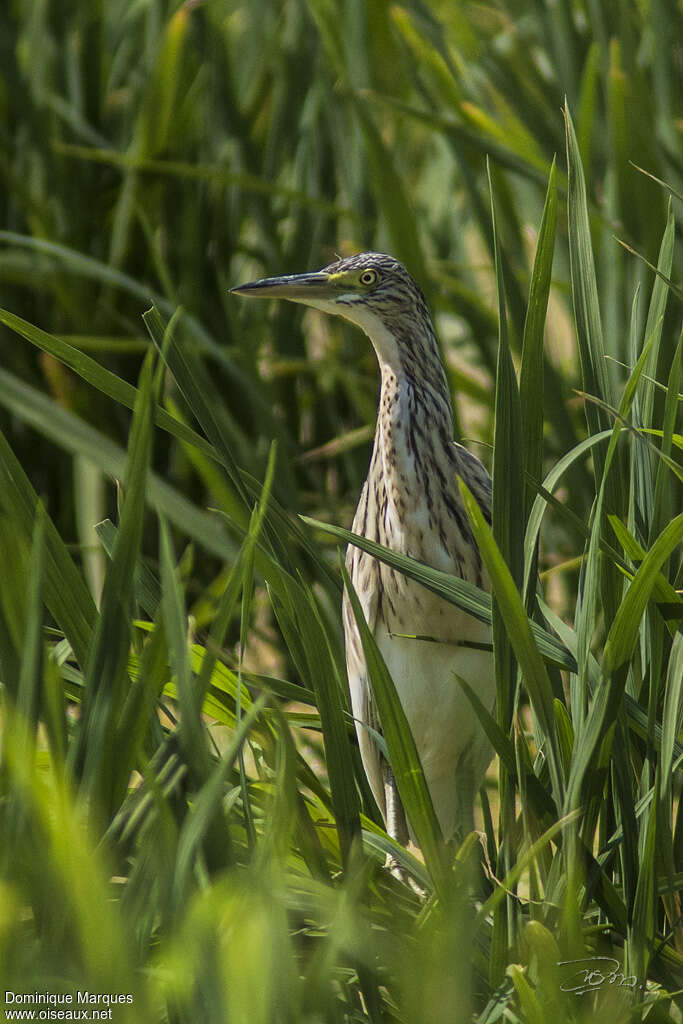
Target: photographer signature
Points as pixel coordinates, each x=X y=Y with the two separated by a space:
x=592 y=973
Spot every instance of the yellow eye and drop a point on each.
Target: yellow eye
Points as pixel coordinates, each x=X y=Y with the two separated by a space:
x=368 y=277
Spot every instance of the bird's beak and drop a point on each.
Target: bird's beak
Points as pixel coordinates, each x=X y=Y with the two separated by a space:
x=304 y=288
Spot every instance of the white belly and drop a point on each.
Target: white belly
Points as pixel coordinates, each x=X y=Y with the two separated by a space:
x=453 y=749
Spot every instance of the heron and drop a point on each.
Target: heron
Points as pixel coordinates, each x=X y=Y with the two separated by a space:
x=411 y=503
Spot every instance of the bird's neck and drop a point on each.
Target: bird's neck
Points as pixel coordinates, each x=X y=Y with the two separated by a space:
x=417 y=393
x=414 y=386
x=414 y=393
x=414 y=430
x=414 y=433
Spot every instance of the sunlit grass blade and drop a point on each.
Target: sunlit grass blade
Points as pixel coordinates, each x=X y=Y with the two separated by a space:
x=228 y=599
x=521 y=865
x=207 y=804
x=67 y=877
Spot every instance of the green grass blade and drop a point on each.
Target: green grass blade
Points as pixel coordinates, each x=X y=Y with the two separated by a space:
x=65 y=591
x=541 y=501
x=138 y=718
x=507 y=520
x=73 y=434
x=247 y=556
x=459 y=592
x=226 y=438
x=390 y=191
x=528 y=857
x=147 y=586
x=623 y=634
x=655 y=314
x=403 y=755
x=106 y=382
x=207 y=804
x=663 y=592
x=587 y=105
x=662 y=501
x=591 y=569
x=584 y=287
x=200 y=394
x=519 y=633
x=85 y=266
x=332 y=708
x=68 y=876
x=30 y=678
x=93 y=757
x=192 y=737
x=531 y=389
x=507 y=511
x=672 y=714
x=499 y=740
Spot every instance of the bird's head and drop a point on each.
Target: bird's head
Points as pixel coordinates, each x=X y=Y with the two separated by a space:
x=372 y=290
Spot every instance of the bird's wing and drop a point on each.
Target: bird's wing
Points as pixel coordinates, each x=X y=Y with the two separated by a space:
x=476 y=476
x=364 y=573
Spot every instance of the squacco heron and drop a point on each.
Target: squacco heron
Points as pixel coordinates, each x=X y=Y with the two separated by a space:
x=410 y=502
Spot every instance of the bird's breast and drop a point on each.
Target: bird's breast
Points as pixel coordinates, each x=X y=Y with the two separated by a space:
x=412 y=505
x=406 y=606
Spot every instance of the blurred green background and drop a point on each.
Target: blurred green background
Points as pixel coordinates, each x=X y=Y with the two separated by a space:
x=160 y=153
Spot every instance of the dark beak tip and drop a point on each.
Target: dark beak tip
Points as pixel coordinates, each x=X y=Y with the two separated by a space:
x=295 y=287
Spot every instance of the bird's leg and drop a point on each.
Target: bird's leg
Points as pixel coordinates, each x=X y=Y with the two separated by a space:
x=397 y=826
x=396 y=823
x=464 y=816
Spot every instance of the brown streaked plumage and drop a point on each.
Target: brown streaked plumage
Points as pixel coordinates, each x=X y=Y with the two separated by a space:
x=410 y=502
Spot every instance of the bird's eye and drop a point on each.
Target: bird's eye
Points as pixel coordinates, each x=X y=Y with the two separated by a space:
x=369 y=277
